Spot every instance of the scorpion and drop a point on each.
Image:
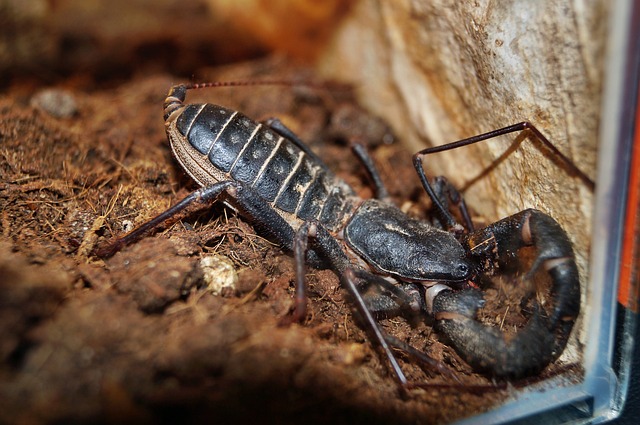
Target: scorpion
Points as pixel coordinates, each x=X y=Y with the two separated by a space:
x=273 y=179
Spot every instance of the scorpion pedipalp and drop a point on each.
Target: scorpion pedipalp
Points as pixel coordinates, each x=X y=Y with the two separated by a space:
x=544 y=337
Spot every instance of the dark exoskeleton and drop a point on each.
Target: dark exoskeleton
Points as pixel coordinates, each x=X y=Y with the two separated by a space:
x=274 y=180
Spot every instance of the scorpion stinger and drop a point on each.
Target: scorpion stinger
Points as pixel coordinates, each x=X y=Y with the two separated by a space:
x=275 y=181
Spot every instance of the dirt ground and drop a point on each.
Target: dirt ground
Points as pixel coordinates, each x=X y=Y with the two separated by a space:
x=141 y=337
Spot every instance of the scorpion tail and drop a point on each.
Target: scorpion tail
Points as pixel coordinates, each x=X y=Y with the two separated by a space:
x=545 y=335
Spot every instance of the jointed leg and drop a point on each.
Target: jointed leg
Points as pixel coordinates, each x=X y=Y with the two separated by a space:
x=243 y=197
x=522 y=126
x=300 y=244
x=364 y=157
x=326 y=247
x=391 y=299
x=450 y=197
x=276 y=125
x=348 y=280
x=201 y=197
x=421 y=357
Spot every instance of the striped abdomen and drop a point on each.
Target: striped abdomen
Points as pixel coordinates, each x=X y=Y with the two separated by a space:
x=214 y=144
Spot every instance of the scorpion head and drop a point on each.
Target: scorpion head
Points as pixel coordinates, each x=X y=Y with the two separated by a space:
x=406 y=248
x=442 y=260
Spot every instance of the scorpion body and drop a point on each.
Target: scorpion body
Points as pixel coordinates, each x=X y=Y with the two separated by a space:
x=225 y=145
x=273 y=179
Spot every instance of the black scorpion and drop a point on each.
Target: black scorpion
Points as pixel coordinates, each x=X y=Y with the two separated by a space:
x=273 y=179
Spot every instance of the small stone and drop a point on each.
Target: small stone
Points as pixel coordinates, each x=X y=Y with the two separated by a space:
x=219 y=273
x=56 y=102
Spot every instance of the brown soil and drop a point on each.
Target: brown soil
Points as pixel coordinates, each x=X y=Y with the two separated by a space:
x=139 y=337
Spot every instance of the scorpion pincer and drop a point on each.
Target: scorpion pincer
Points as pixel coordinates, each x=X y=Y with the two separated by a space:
x=275 y=181
x=545 y=336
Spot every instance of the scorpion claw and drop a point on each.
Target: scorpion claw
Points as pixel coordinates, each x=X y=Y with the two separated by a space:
x=545 y=335
x=483 y=347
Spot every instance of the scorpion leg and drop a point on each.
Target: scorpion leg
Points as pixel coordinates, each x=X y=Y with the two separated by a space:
x=448 y=194
x=278 y=126
x=238 y=194
x=348 y=281
x=300 y=244
x=329 y=249
x=424 y=359
x=544 y=337
x=198 y=198
x=363 y=155
x=444 y=214
x=388 y=299
x=364 y=304
x=325 y=252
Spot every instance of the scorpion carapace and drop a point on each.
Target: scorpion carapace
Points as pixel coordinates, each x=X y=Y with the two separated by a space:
x=275 y=181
